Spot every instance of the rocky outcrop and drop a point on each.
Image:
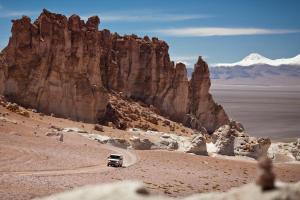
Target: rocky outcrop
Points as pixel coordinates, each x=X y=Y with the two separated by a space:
x=202 y=110
x=53 y=65
x=285 y=152
x=166 y=142
x=232 y=140
x=224 y=141
x=67 y=67
x=128 y=190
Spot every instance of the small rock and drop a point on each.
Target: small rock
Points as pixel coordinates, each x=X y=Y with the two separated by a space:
x=98 y=127
x=49 y=134
x=61 y=137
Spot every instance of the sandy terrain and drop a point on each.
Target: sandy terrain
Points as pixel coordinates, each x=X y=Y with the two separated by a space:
x=272 y=111
x=34 y=165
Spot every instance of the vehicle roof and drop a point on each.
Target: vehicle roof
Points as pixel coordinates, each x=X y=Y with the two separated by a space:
x=115 y=154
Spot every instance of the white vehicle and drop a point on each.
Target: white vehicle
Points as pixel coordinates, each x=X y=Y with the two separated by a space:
x=115 y=160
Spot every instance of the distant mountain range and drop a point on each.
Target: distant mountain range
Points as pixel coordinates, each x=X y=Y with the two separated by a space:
x=257 y=69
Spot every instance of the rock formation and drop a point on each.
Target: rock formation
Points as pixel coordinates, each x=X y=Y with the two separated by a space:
x=67 y=67
x=285 y=151
x=53 y=65
x=140 y=144
x=232 y=140
x=198 y=145
x=266 y=177
x=225 y=141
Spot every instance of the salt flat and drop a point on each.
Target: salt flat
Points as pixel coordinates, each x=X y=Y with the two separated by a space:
x=272 y=111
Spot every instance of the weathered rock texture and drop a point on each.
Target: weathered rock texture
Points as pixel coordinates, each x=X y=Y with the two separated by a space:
x=232 y=140
x=53 y=65
x=128 y=190
x=67 y=67
x=198 y=145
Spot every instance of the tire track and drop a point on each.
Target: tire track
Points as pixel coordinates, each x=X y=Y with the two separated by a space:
x=129 y=159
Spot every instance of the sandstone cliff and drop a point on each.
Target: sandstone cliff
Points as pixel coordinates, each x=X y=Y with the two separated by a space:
x=67 y=67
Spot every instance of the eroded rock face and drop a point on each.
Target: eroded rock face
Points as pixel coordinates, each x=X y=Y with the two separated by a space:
x=53 y=65
x=202 y=110
x=67 y=67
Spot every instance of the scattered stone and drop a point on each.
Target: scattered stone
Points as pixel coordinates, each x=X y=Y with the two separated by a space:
x=110 y=124
x=73 y=129
x=55 y=128
x=49 y=134
x=24 y=113
x=61 y=137
x=98 y=127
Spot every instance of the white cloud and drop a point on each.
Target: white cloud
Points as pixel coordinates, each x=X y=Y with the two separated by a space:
x=150 y=17
x=220 y=31
x=7 y=14
x=146 y=15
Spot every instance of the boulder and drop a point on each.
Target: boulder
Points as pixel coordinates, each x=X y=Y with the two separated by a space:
x=232 y=140
x=98 y=127
x=166 y=142
x=251 y=147
x=140 y=144
x=198 y=146
x=295 y=149
x=224 y=140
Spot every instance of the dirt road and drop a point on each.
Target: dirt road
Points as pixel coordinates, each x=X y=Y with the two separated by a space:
x=21 y=154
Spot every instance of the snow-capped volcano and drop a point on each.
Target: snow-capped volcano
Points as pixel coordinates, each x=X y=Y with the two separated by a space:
x=256 y=69
x=257 y=59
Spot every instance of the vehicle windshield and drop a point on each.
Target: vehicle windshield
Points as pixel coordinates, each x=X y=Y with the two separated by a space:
x=114 y=157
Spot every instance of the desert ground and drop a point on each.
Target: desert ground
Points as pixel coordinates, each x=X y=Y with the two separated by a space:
x=35 y=165
x=264 y=110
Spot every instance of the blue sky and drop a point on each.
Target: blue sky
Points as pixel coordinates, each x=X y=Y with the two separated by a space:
x=221 y=31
